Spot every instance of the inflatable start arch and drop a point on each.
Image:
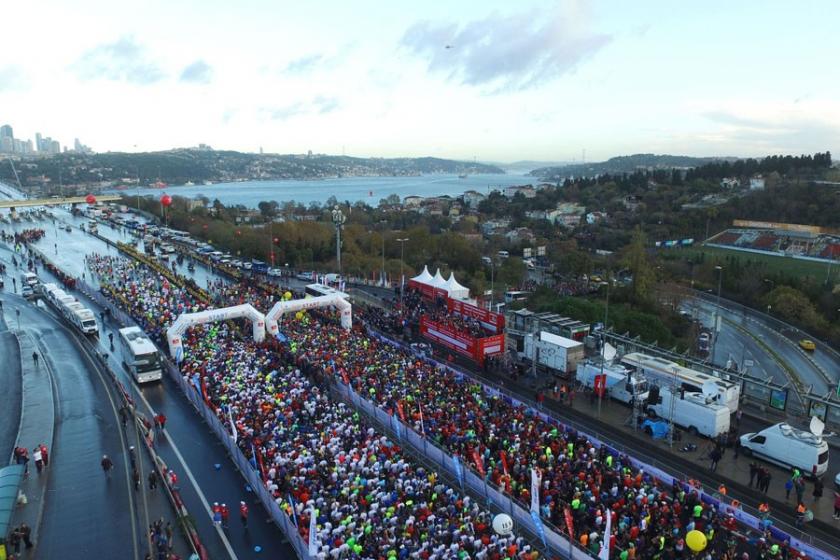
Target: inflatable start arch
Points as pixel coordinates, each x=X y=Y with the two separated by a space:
x=291 y=306
x=187 y=320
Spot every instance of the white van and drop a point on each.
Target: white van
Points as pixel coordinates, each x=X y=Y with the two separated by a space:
x=45 y=289
x=84 y=320
x=693 y=411
x=784 y=445
x=28 y=279
x=61 y=301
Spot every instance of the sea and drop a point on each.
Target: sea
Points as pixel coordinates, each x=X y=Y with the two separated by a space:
x=353 y=189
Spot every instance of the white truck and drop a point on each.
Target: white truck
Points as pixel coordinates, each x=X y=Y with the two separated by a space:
x=28 y=279
x=696 y=412
x=622 y=385
x=556 y=353
x=787 y=446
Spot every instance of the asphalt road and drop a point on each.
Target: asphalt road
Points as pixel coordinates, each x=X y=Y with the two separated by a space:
x=783 y=343
x=186 y=436
x=10 y=380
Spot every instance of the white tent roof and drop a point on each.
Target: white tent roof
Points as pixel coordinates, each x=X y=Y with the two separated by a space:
x=424 y=277
x=438 y=281
x=454 y=288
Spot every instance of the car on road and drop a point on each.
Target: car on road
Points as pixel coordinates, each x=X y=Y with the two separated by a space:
x=275 y=272
x=307 y=276
x=26 y=291
x=807 y=344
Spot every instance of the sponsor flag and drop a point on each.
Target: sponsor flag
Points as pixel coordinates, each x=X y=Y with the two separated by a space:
x=535 y=490
x=570 y=523
x=479 y=464
x=313 y=533
x=604 y=553
x=600 y=384
x=504 y=462
x=233 y=432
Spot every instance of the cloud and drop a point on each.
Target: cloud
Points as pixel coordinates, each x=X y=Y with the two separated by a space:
x=199 y=72
x=12 y=78
x=124 y=60
x=508 y=52
x=304 y=64
x=319 y=105
x=776 y=129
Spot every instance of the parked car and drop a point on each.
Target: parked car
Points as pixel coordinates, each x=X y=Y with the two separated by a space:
x=307 y=276
x=275 y=272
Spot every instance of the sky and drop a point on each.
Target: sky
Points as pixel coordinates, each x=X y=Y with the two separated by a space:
x=494 y=80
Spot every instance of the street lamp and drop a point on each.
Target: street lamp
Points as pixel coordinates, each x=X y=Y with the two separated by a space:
x=717 y=312
x=402 y=241
x=338 y=219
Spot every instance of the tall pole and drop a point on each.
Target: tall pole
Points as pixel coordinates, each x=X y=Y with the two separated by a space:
x=716 y=326
x=604 y=344
x=402 y=241
x=382 y=275
x=492 y=281
x=338 y=219
x=672 y=407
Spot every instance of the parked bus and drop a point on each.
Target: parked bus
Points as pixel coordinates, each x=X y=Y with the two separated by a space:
x=316 y=290
x=514 y=295
x=140 y=355
x=665 y=373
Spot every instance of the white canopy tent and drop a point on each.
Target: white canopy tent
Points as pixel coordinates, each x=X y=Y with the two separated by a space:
x=455 y=289
x=438 y=281
x=424 y=277
x=294 y=305
x=187 y=320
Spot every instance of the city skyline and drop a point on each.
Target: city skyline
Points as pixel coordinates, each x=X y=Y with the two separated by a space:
x=494 y=81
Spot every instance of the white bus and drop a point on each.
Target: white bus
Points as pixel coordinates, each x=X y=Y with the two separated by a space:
x=316 y=290
x=140 y=355
x=665 y=372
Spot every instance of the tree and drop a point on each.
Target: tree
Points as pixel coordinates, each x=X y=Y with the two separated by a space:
x=637 y=261
x=512 y=272
x=268 y=208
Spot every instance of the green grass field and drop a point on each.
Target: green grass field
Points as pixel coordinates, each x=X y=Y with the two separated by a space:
x=774 y=264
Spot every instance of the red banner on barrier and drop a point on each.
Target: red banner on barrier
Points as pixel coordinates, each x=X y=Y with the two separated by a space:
x=474 y=348
x=492 y=321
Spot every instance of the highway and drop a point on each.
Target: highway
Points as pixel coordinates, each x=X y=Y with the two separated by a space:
x=188 y=446
x=783 y=341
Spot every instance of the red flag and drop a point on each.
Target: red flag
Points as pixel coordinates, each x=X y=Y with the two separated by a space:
x=600 y=384
x=400 y=410
x=479 y=464
x=570 y=524
x=504 y=461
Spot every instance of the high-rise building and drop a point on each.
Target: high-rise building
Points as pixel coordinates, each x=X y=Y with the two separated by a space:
x=39 y=143
x=7 y=139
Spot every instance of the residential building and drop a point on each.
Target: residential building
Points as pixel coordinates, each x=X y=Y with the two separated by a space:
x=730 y=183
x=412 y=201
x=495 y=227
x=520 y=235
x=473 y=198
x=757 y=183
x=596 y=217
x=525 y=190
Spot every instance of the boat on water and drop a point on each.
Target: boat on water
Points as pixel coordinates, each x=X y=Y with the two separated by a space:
x=189 y=184
x=158 y=185
x=463 y=176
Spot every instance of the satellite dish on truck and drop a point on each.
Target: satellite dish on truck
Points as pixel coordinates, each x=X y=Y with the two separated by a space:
x=710 y=389
x=817 y=426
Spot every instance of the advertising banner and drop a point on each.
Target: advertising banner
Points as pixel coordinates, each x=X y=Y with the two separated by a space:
x=492 y=321
x=474 y=348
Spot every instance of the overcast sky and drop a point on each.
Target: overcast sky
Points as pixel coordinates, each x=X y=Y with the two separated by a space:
x=522 y=80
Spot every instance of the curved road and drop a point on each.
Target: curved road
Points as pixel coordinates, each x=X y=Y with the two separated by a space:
x=784 y=343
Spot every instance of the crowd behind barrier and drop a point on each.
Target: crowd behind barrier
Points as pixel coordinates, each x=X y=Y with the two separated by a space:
x=323 y=329
x=751 y=517
x=418 y=516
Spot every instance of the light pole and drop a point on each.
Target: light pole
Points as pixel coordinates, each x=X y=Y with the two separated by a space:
x=338 y=219
x=717 y=313
x=492 y=281
x=604 y=344
x=402 y=241
x=382 y=275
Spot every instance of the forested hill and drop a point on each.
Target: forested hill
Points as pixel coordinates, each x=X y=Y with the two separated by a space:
x=180 y=166
x=622 y=164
